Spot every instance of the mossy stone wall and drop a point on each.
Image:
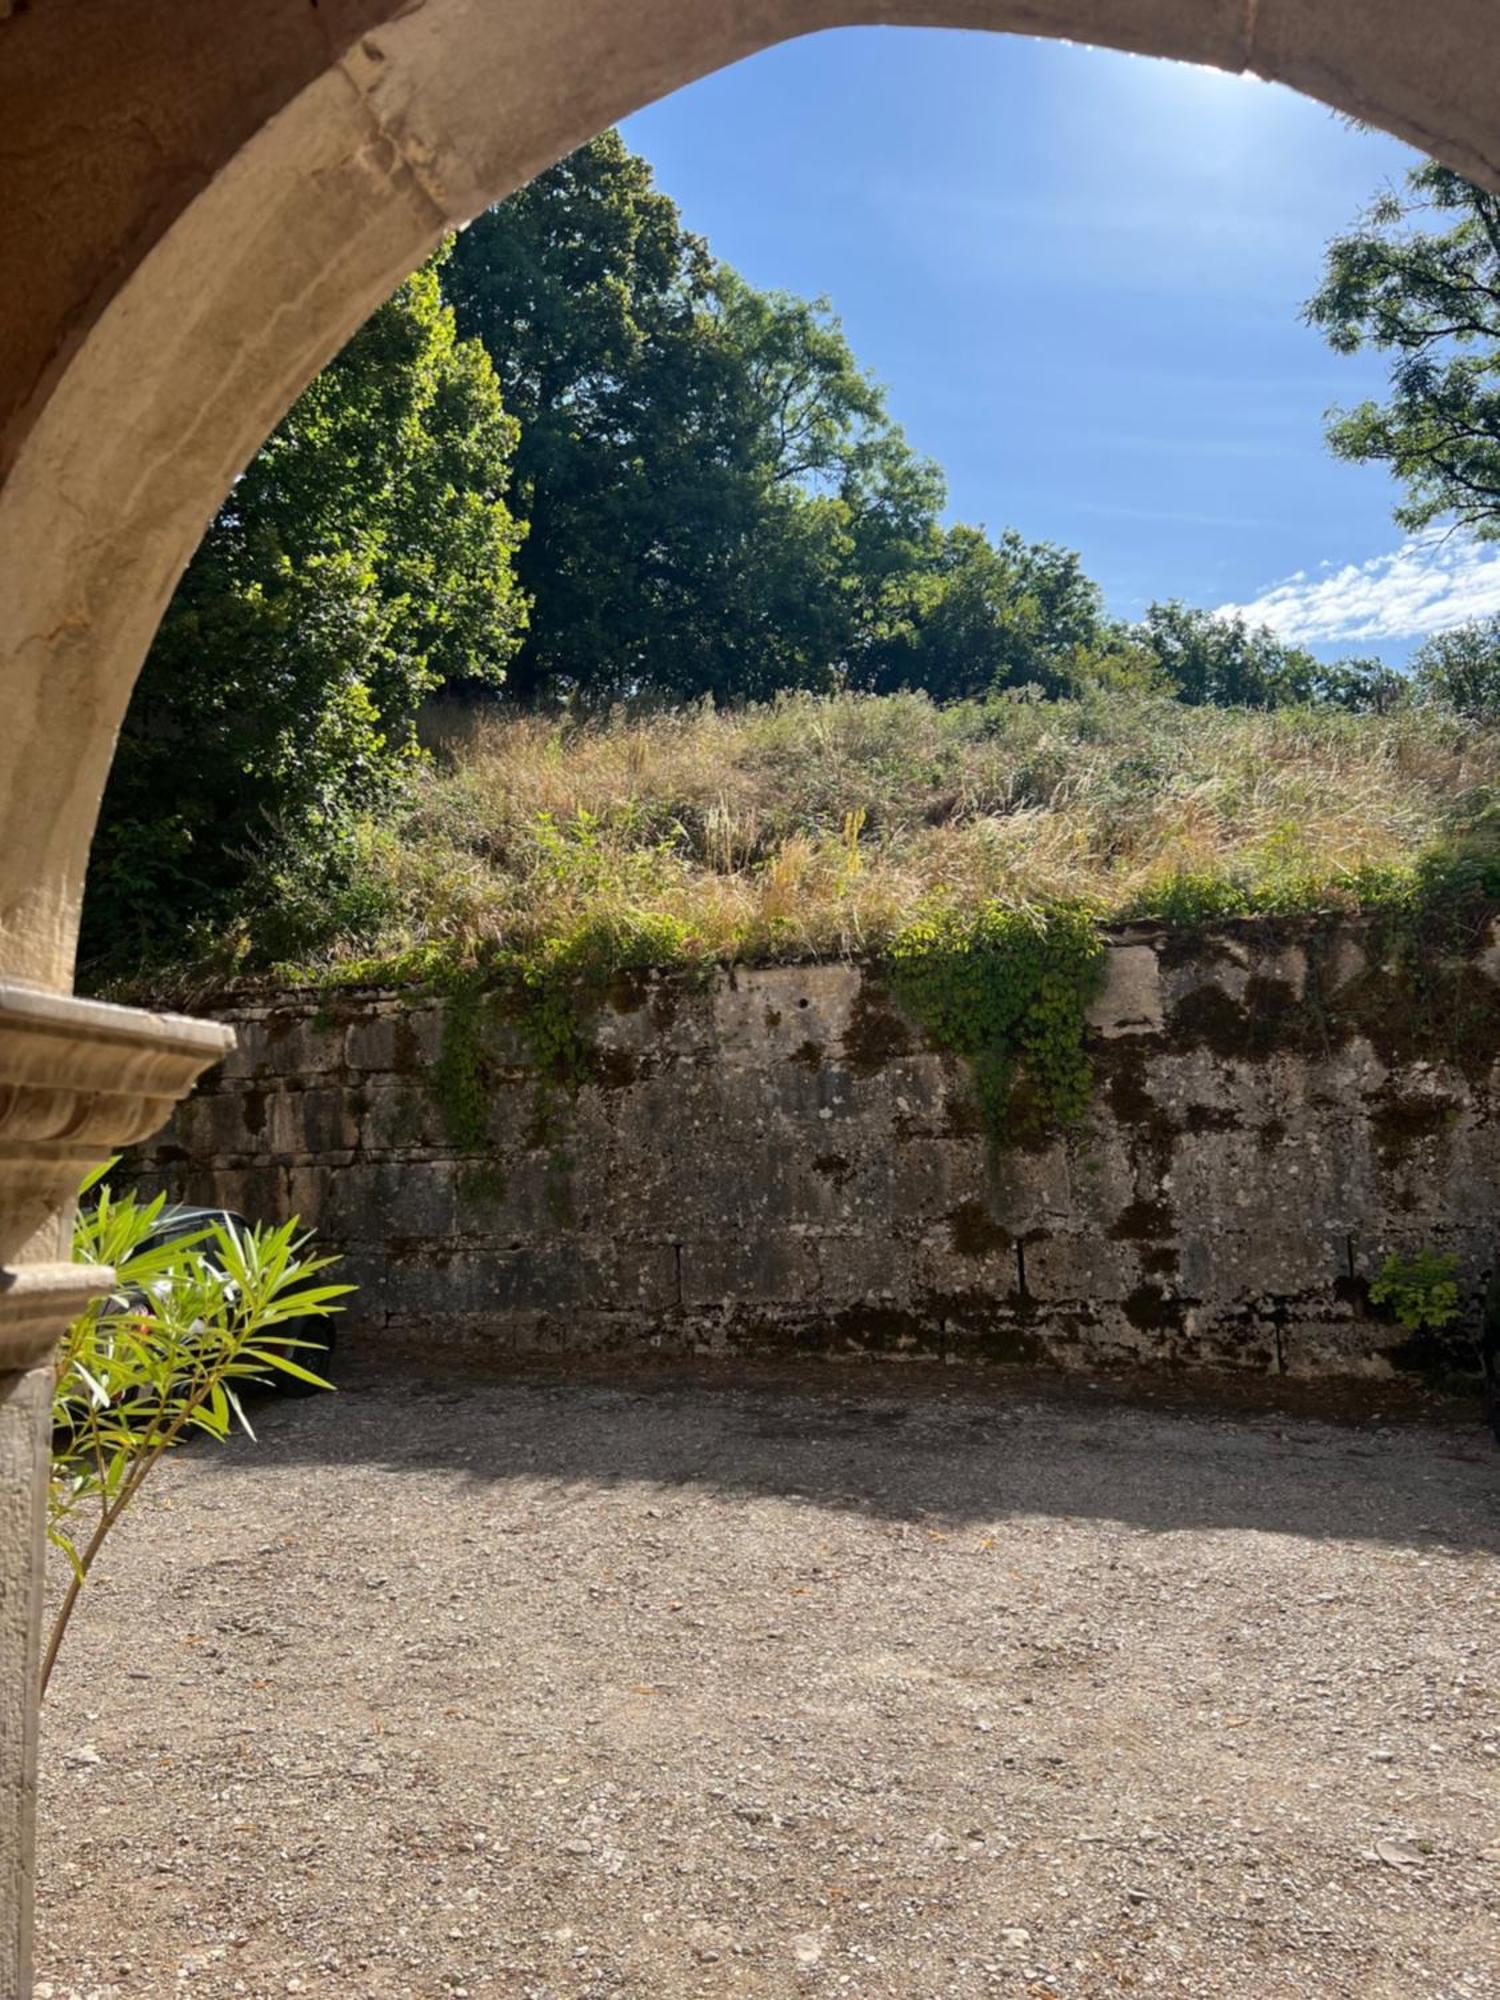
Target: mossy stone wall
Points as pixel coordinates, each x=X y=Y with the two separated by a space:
x=781 y=1159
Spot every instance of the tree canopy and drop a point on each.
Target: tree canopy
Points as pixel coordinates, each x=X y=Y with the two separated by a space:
x=716 y=492
x=1210 y=660
x=365 y=556
x=1460 y=669
x=721 y=504
x=970 y=615
x=1419 y=280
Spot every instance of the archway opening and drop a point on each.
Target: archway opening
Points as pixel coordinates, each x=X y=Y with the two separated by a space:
x=176 y=363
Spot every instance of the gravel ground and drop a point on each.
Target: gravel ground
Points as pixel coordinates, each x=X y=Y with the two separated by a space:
x=544 y=1688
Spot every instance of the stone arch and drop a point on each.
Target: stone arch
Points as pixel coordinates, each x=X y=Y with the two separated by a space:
x=203 y=202
x=242 y=274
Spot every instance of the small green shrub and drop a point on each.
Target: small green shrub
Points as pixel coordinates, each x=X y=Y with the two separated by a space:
x=190 y=1322
x=1185 y=897
x=1422 y=1291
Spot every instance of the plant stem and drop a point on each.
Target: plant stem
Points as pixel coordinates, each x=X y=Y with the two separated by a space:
x=129 y=1487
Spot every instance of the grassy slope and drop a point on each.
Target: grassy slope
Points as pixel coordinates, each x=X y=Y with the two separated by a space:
x=821 y=827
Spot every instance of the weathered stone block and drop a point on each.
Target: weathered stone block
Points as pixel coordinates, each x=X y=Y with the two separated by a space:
x=800 y=1092
x=771 y=1013
x=396 y=1202
x=565 y=1274
x=1130 y=1002
x=395 y=1037
x=1030 y=1190
x=932 y=1177
x=1353 y=1346
x=1276 y=1260
x=259 y=1193
x=229 y=1123
x=248 y=1057
x=294 y=1124
x=748 y=1268
x=1072 y=1267
x=868 y=1265
x=330 y=1120
x=656 y=1021
x=398 y=1115
x=300 y=1040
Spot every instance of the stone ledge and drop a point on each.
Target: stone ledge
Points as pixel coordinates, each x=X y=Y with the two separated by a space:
x=78 y=1078
x=37 y=1300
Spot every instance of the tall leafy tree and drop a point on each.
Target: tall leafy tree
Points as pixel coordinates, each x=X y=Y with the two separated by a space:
x=364 y=556
x=1460 y=669
x=585 y=289
x=717 y=495
x=1419 y=279
x=1209 y=660
x=974 y=615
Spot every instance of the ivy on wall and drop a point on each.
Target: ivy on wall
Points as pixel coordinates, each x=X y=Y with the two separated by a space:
x=1009 y=990
x=1006 y=989
x=549 y=999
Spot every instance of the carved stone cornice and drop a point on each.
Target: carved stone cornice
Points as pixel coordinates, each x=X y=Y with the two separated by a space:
x=78 y=1080
x=37 y=1301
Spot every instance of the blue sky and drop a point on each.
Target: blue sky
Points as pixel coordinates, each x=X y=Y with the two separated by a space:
x=1079 y=276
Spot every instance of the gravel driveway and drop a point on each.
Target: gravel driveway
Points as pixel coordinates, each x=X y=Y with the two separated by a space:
x=545 y=1688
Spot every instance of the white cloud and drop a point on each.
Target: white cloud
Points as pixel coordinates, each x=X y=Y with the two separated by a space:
x=1424 y=586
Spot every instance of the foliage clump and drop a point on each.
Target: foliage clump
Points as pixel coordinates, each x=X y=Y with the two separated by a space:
x=1009 y=990
x=1418 y=280
x=363 y=559
x=1421 y=1290
x=548 y=1000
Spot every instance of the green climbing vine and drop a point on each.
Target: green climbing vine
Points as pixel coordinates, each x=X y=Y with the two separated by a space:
x=458 y=1079
x=548 y=998
x=1008 y=990
x=550 y=1013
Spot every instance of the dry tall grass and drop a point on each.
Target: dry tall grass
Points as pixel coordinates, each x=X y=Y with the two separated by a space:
x=821 y=826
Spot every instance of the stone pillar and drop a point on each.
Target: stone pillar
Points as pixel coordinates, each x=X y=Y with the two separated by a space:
x=78 y=1079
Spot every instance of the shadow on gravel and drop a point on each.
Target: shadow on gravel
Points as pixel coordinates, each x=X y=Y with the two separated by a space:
x=921 y=1453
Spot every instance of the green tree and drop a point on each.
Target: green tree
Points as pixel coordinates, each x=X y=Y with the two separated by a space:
x=716 y=493
x=975 y=615
x=1460 y=669
x=1419 y=279
x=1209 y=660
x=585 y=290
x=364 y=556
x=1364 y=686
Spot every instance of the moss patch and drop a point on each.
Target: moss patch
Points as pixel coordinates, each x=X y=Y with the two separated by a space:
x=973 y=1231
x=1402 y=1124
x=1144 y=1222
x=1246 y=1030
x=1154 y=1309
x=876 y=1035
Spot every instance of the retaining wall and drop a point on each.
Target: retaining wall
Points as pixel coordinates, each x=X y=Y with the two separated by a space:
x=776 y=1162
